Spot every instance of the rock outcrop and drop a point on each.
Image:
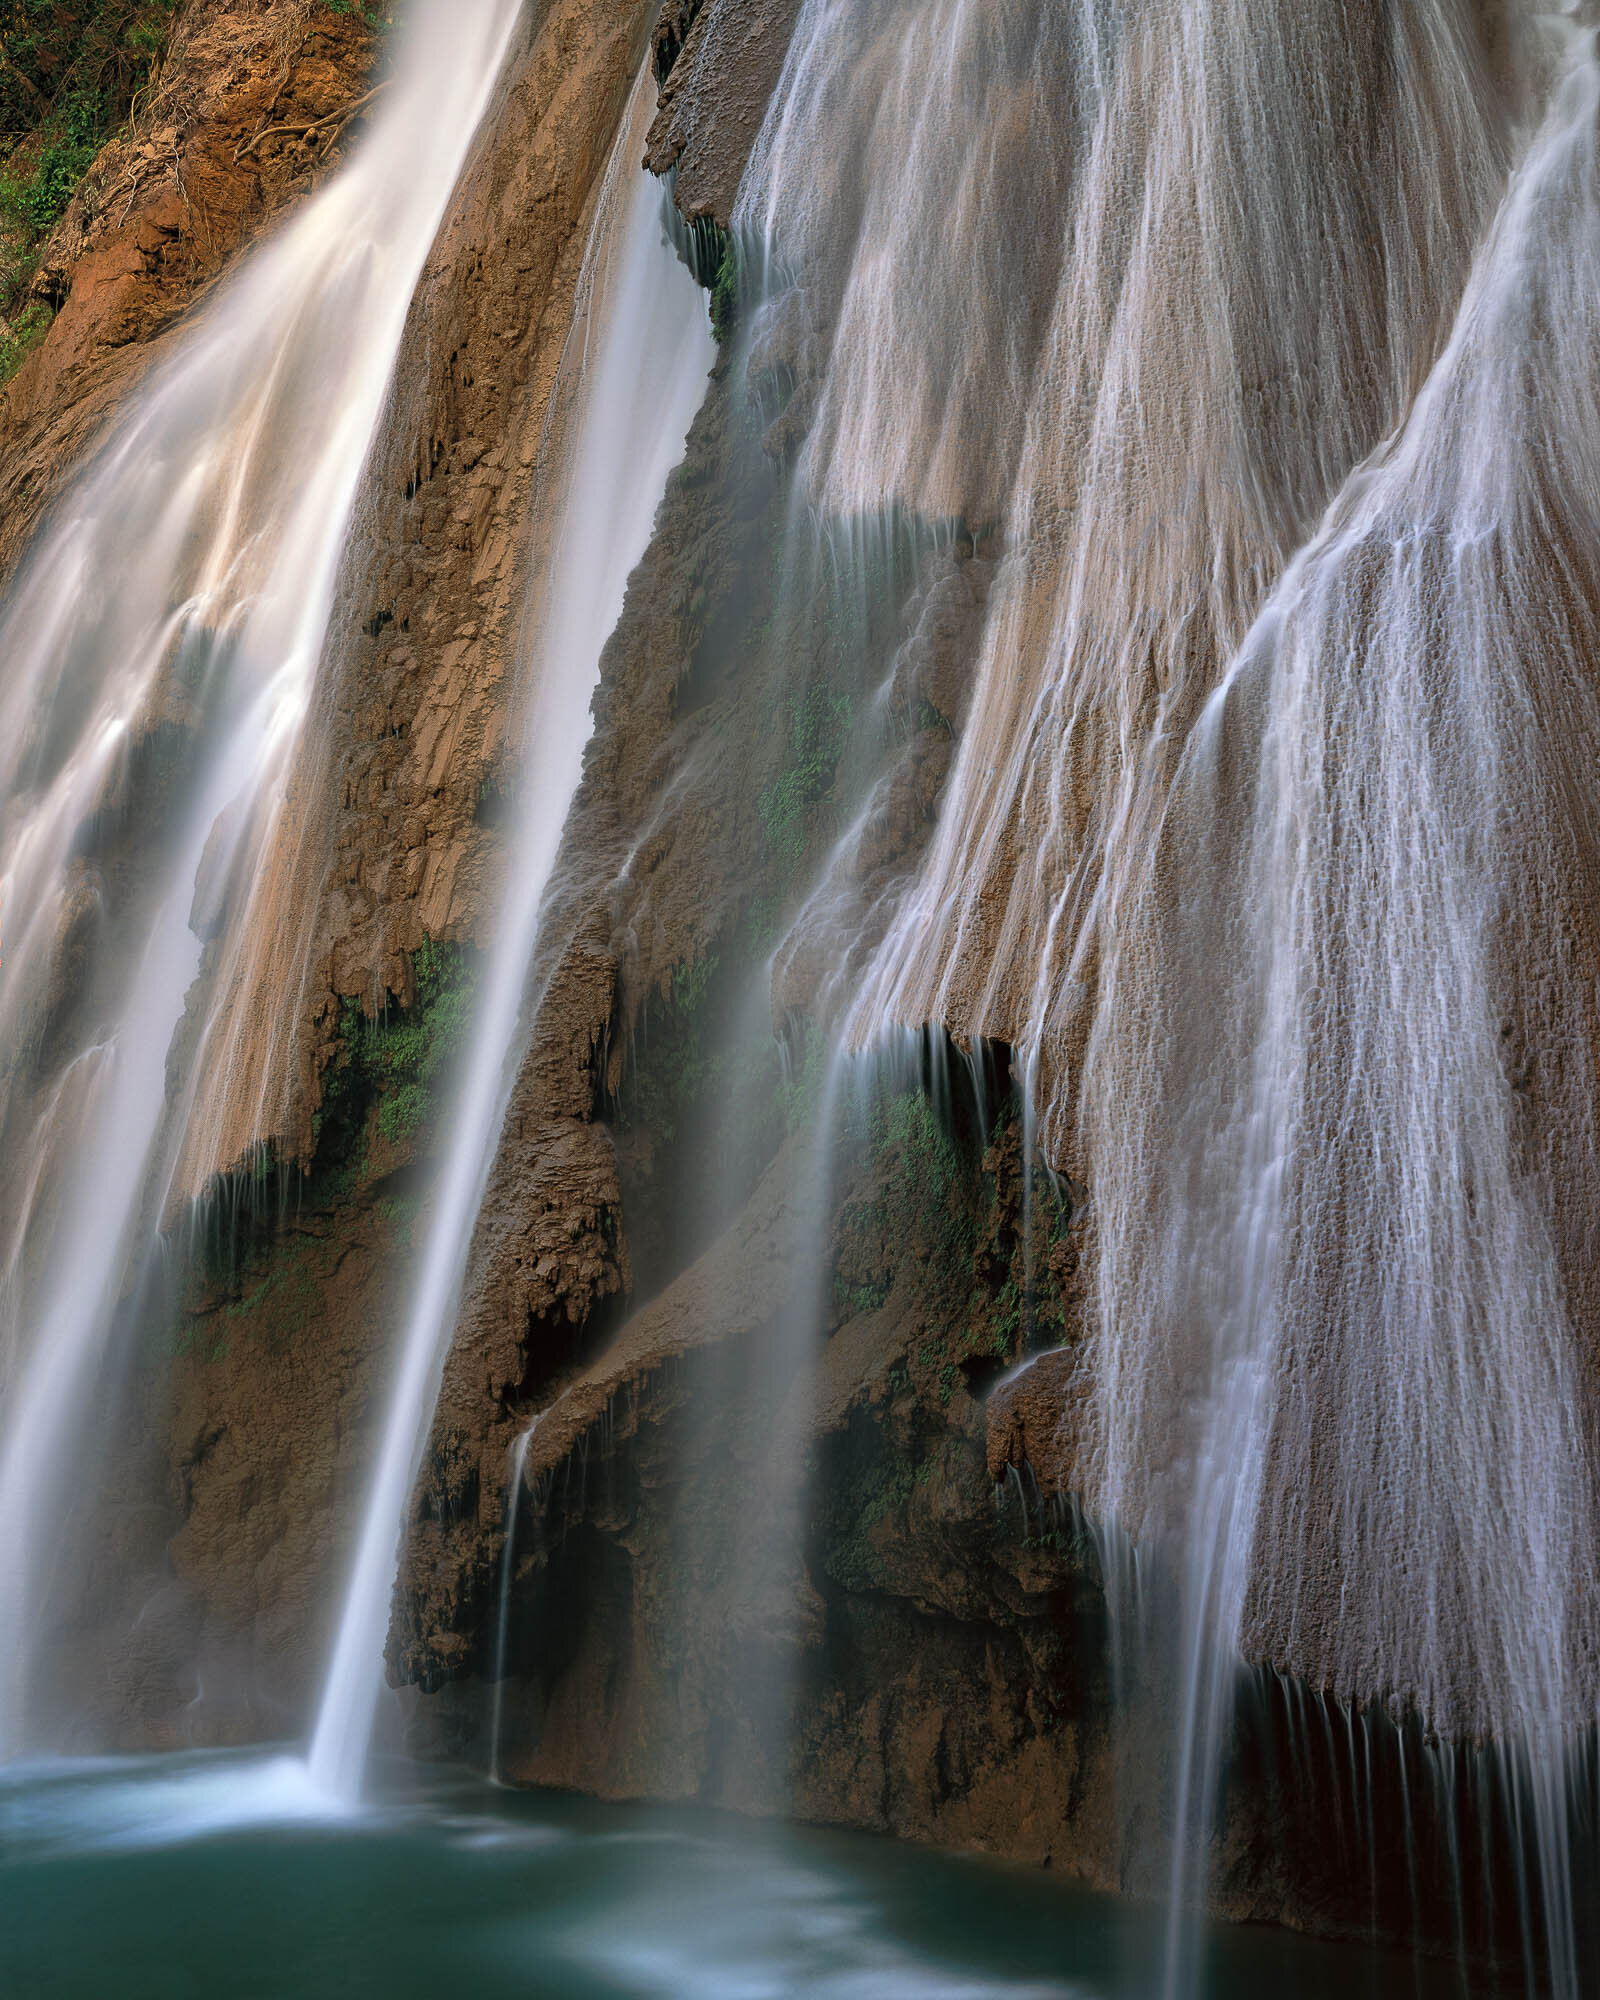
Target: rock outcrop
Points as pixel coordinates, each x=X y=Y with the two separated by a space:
x=721 y=61
x=257 y=100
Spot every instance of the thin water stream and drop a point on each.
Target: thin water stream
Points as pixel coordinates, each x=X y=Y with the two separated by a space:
x=635 y=370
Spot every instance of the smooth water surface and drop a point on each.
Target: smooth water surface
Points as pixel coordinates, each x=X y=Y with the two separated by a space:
x=221 y=1875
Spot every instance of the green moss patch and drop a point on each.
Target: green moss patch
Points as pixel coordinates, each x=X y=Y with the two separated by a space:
x=819 y=728
x=385 y=1078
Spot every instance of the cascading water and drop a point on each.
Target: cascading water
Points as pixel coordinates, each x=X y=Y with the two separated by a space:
x=613 y=445
x=1371 y=1246
x=1301 y=981
x=1226 y=371
x=162 y=648
x=1203 y=375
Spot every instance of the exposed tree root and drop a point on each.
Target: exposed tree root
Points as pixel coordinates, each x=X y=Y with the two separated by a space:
x=338 y=120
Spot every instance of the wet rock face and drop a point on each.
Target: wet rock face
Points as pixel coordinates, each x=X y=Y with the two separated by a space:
x=767 y=1578
x=720 y=60
x=710 y=1510
x=412 y=773
x=723 y=764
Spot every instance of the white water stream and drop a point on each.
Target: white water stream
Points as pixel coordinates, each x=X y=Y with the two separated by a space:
x=639 y=353
x=1298 y=300
x=1383 y=1129
x=178 y=606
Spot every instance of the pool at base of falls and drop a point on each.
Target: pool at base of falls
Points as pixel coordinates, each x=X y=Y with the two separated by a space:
x=198 y=1877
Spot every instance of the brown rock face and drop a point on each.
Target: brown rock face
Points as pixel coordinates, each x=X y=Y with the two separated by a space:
x=1025 y=1423
x=257 y=100
x=715 y=778
x=721 y=60
x=277 y=1395
x=419 y=711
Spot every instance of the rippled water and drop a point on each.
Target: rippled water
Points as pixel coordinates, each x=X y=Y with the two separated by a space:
x=219 y=1875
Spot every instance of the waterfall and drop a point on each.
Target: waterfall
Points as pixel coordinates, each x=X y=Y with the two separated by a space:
x=1369 y=1244
x=1246 y=296
x=1267 y=846
x=1198 y=397
x=162 y=648
x=635 y=368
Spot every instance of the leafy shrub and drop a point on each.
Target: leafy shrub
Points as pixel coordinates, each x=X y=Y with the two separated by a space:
x=725 y=295
x=20 y=336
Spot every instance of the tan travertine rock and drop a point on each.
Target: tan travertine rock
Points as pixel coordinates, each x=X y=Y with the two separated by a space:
x=715 y=98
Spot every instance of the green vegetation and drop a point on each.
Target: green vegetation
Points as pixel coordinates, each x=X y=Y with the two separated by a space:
x=879 y=1489
x=919 y=1206
x=70 y=71
x=725 y=294
x=398 y=1211
x=919 y=1175
x=395 y=1060
x=382 y=1082
x=986 y=1269
x=71 y=74
x=856 y=1510
x=819 y=727
x=21 y=335
x=369 y=15
x=269 y=1280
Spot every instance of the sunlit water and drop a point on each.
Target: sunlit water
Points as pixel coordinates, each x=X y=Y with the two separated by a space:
x=207 y=1876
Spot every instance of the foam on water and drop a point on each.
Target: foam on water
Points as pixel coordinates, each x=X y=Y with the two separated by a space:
x=106 y=1805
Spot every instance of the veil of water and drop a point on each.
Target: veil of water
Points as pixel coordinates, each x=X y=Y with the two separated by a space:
x=1369 y=1249
x=161 y=651
x=634 y=375
x=1267 y=846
